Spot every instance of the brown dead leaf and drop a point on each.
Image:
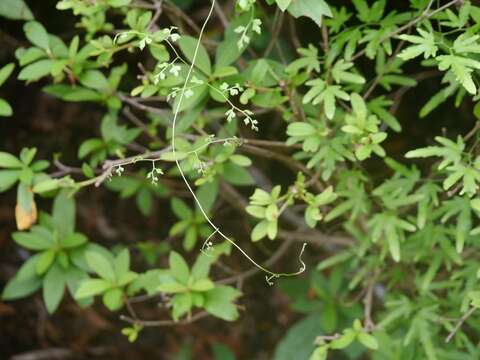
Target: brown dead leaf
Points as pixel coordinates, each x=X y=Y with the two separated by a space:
x=25 y=219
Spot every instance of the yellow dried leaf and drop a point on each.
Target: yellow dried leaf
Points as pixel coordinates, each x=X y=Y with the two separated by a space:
x=25 y=219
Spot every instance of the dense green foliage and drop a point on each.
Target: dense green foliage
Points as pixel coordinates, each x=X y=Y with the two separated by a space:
x=389 y=269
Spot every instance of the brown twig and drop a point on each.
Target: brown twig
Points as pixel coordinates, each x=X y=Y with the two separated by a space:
x=278 y=22
x=369 y=325
x=158 y=323
x=324 y=38
x=221 y=15
x=158 y=11
x=460 y=323
x=136 y=121
x=176 y=11
x=45 y=354
x=293 y=165
x=377 y=79
x=401 y=91
x=472 y=132
x=293 y=33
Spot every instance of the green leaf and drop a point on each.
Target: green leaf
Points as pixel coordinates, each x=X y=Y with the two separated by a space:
x=301 y=129
x=8 y=178
x=127 y=278
x=119 y=3
x=344 y=340
x=260 y=230
x=36 y=34
x=172 y=287
x=182 y=303
x=341 y=75
x=188 y=45
x=198 y=94
x=314 y=9
x=462 y=68
x=321 y=93
x=377 y=106
x=73 y=94
x=113 y=299
x=5 y=108
x=312 y=216
x=203 y=285
x=425 y=45
x=466 y=43
x=19 y=288
x=45 y=261
x=27 y=56
x=181 y=210
x=15 y=10
x=334 y=260
x=298 y=342
x=256 y=211
x=28 y=269
x=63 y=213
x=262 y=198
x=358 y=105
x=224 y=71
x=240 y=160
x=46 y=186
x=101 y=265
x=320 y=353
x=363 y=11
x=368 y=340
x=9 y=161
x=283 y=4
x=144 y=201
x=222 y=352
x=272 y=229
x=218 y=302
x=201 y=268
x=121 y=264
x=53 y=288
x=36 y=70
x=5 y=72
x=179 y=267
x=94 y=79
x=92 y=287
x=170 y=156
x=228 y=51
x=89 y=146
x=475 y=203
x=27 y=155
x=207 y=194
x=73 y=240
x=32 y=241
x=237 y=175
x=393 y=241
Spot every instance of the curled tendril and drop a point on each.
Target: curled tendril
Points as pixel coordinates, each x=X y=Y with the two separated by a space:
x=207 y=247
x=270 y=275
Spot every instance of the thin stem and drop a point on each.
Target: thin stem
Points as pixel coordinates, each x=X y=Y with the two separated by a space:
x=460 y=323
x=277 y=27
x=159 y=323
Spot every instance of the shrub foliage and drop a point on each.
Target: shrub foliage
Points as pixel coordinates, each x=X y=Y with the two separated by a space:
x=288 y=115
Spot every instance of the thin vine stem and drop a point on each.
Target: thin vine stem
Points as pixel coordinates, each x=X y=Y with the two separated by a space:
x=270 y=274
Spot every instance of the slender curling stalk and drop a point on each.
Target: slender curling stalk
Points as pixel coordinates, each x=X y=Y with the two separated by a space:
x=269 y=274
